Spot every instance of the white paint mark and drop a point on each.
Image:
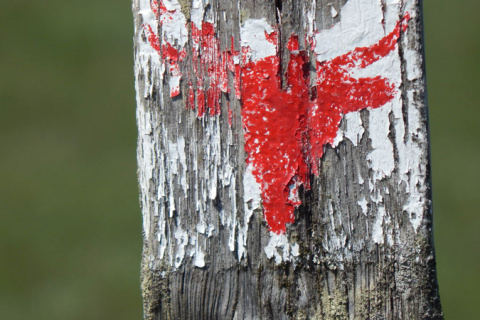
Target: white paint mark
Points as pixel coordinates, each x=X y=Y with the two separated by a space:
x=360 y=179
x=146 y=58
x=376 y=197
x=381 y=158
x=197 y=12
x=386 y=222
x=279 y=248
x=360 y=26
x=338 y=138
x=364 y=205
x=173 y=22
x=182 y=241
x=377 y=230
x=199 y=260
x=310 y=20
x=333 y=12
x=412 y=165
x=253 y=36
x=233 y=216
x=413 y=64
x=252 y=200
x=354 y=127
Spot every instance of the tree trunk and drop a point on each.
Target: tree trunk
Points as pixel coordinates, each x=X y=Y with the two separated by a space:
x=283 y=160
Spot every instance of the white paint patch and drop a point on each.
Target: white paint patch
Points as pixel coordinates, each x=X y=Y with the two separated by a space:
x=360 y=26
x=413 y=64
x=335 y=239
x=364 y=205
x=146 y=164
x=412 y=143
x=252 y=199
x=197 y=12
x=377 y=230
x=199 y=260
x=354 y=127
x=146 y=58
x=338 y=138
x=413 y=165
x=174 y=30
x=376 y=197
x=182 y=241
x=381 y=158
x=212 y=150
x=176 y=153
x=360 y=179
x=333 y=12
x=252 y=35
x=279 y=248
x=310 y=20
x=293 y=195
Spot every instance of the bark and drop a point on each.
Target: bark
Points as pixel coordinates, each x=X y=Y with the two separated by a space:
x=359 y=244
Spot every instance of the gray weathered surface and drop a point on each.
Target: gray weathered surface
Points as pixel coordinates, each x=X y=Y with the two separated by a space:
x=356 y=279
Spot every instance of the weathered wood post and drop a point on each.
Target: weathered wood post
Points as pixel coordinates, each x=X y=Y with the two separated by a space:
x=283 y=160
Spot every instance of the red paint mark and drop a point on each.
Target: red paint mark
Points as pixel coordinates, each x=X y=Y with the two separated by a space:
x=339 y=93
x=152 y=38
x=275 y=124
x=154 y=6
x=191 y=97
x=272 y=37
x=292 y=44
x=208 y=63
x=230 y=116
x=200 y=100
x=170 y=55
x=286 y=129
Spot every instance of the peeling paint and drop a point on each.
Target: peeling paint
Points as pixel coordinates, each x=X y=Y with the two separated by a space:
x=377 y=231
x=281 y=249
x=364 y=205
x=252 y=201
x=182 y=240
x=354 y=127
x=286 y=125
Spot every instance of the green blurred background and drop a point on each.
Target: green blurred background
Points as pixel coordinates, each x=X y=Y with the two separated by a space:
x=70 y=230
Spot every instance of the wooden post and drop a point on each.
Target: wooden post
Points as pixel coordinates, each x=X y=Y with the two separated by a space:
x=283 y=160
